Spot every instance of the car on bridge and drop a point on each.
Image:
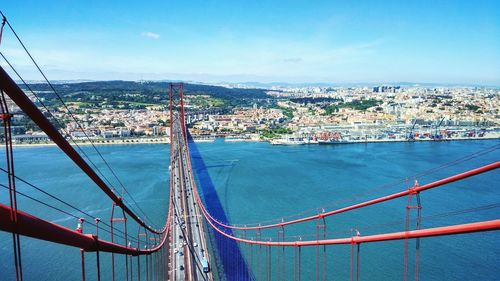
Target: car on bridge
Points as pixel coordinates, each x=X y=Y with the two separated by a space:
x=205 y=265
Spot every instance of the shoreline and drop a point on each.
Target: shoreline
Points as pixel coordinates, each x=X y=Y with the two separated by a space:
x=167 y=141
x=398 y=140
x=100 y=142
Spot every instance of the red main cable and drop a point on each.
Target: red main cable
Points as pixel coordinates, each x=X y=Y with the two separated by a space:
x=470 y=173
x=438 y=231
x=23 y=101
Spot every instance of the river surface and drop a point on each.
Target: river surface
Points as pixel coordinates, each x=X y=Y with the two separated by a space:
x=259 y=183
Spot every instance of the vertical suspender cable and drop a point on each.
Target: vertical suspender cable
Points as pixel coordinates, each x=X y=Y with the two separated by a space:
x=97 y=220
x=358 y=263
x=9 y=154
x=300 y=257
x=417 y=242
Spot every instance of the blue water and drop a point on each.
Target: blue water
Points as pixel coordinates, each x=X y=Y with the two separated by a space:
x=230 y=260
x=257 y=182
x=143 y=170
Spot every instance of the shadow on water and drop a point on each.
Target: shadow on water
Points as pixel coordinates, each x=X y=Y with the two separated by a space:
x=229 y=256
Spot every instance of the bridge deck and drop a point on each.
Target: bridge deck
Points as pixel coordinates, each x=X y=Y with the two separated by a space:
x=188 y=243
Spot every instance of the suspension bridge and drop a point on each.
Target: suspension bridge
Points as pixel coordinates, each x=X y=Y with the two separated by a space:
x=196 y=240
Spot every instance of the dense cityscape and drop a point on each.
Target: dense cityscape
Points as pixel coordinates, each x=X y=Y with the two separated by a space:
x=280 y=115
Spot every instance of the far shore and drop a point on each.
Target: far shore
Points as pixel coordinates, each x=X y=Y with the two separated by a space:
x=165 y=140
x=101 y=142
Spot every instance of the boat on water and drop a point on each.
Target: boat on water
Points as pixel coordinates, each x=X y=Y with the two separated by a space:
x=204 y=139
x=293 y=140
x=287 y=141
x=236 y=139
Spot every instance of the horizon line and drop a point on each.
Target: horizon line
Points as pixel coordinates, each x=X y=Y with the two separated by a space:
x=278 y=83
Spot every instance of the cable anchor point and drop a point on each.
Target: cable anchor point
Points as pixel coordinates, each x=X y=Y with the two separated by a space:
x=355 y=233
x=79 y=226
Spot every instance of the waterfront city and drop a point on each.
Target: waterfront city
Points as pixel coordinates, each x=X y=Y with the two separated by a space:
x=287 y=115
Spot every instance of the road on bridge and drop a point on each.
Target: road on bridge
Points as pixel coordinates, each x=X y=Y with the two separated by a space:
x=188 y=245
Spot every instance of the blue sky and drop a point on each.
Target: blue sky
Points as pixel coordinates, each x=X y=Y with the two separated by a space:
x=264 y=41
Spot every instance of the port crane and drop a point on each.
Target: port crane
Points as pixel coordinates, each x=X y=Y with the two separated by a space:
x=437 y=135
x=411 y=136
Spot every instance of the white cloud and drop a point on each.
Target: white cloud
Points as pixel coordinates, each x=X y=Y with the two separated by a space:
x=151 y=35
